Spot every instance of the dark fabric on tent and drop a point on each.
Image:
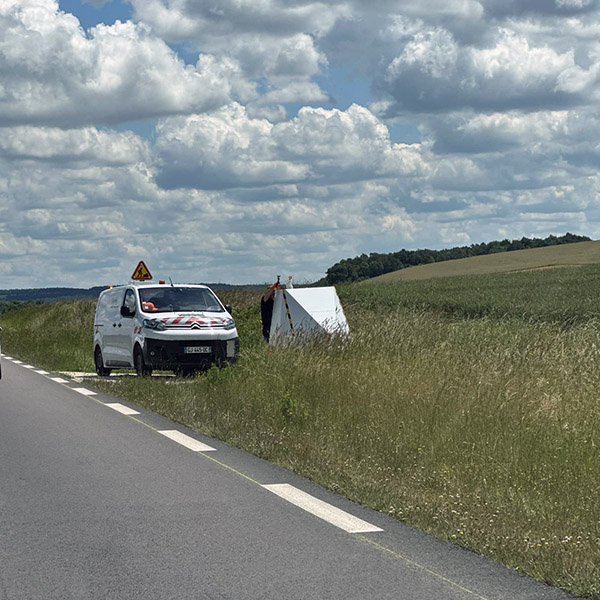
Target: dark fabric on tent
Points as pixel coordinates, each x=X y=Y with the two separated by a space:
x=266 y=315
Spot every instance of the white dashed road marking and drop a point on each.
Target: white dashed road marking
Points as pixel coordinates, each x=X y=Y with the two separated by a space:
x=41 y=372
x=321 y=509
x=122 y=408
x=186 y=440
x=18 y=362
x=84 y=391
x=28 y=366
x=59 y=380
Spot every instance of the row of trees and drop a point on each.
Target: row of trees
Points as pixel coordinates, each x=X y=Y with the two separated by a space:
x=374 y=264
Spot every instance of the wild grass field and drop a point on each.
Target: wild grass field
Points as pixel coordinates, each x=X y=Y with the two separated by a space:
x=468 y=407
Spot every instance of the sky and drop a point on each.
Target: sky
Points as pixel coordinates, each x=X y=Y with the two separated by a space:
x=235 y=140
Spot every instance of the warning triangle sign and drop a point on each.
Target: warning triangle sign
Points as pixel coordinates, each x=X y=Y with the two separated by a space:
x=141 y=272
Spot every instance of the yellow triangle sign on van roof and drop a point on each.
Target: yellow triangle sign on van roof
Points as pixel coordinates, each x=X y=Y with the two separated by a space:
x=141 y=272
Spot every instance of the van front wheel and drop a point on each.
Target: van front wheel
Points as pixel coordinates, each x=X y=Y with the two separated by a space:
x=141 y=368
x=99 y=362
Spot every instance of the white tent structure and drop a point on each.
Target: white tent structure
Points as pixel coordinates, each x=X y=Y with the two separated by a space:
x=308 y=311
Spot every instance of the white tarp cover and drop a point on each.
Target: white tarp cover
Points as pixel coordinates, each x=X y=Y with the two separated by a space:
x=312 y=310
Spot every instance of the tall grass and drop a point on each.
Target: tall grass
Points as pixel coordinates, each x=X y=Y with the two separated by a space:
x=484 y=431
x=57 y=336
x=563 y=295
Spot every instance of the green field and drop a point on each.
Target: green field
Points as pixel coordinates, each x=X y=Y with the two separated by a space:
x=466 y=406
x=569 y=255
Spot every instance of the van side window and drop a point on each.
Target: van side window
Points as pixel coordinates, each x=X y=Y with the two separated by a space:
x=129 y=301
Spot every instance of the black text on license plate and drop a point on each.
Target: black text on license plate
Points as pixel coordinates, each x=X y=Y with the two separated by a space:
x=197 y=350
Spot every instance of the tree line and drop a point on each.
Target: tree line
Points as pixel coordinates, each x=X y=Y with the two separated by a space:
x=374 y=264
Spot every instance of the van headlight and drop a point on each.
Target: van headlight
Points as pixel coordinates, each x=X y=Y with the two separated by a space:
x=154 y=324
x=229 y=324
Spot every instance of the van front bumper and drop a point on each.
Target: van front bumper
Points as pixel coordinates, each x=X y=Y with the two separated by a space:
x=175 y=354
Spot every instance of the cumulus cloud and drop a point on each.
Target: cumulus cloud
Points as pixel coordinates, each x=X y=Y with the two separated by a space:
x=476 y=133
x=399 y=222
x=179 y=19
x=230 y=149
x=53 y=73
x=433 y=73
x=348 y=144
x=87 y=145
x=272 y=40
x=221 y=150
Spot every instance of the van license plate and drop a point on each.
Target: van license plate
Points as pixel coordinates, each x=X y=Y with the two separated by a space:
x=197 y=350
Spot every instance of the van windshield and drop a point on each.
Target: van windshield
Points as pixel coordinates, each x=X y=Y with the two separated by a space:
x=178 y=299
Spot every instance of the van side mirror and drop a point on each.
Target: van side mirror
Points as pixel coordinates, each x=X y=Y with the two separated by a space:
x=126 y=312
x=228 y=308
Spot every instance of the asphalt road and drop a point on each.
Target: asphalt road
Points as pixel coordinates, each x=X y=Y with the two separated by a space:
x=97 y=504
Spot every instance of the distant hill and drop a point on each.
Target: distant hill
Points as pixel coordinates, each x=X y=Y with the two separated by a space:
x=374 y=264
x=64 y=293
x=567 y=255
x=48 y=294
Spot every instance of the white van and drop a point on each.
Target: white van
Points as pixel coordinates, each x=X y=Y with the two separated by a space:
x=146 y=326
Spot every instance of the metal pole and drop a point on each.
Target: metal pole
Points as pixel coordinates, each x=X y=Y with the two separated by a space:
x=287 y=309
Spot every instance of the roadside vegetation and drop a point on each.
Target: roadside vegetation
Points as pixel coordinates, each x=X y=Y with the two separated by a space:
x=467 y=407
x=8 y=305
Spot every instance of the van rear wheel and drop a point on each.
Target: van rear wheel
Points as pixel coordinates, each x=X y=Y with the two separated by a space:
x=99 y=362
x=141 y=368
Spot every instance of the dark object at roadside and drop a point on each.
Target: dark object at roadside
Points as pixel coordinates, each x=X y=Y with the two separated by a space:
x=266 y=311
